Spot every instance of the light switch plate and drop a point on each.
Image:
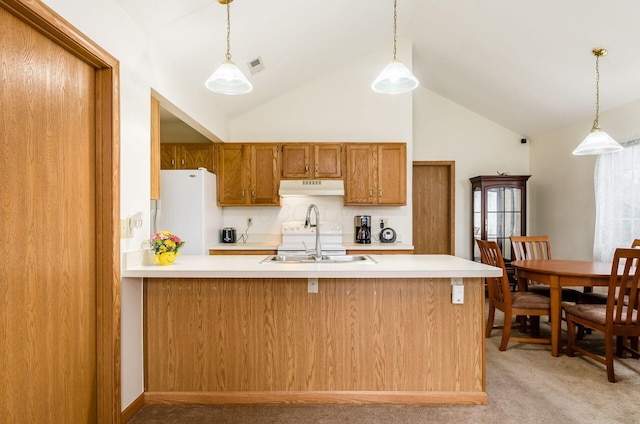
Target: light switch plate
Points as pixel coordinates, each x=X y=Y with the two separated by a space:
x=457 y=291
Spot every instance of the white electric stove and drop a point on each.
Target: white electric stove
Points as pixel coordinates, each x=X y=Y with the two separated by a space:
x=296 y=239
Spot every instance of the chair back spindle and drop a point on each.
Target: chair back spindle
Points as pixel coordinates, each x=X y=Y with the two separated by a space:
x=531 y=247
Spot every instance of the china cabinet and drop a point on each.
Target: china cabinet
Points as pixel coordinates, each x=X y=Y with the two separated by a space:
x=499 y=205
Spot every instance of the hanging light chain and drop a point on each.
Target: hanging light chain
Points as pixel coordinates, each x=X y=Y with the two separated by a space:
x=228 y=55
x=597 y=52
x=395 y=27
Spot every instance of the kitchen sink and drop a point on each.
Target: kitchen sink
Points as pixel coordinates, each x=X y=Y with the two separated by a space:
x=328 y=259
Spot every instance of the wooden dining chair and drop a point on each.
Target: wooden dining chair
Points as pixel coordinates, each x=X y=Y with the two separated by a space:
x=601 y=298
x=615 y=319
x=510 y=303
x=534 y=248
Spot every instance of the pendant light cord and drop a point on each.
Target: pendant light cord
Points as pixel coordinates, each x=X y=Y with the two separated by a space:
x=228 y=56
x=595 y=121
x=395 y=27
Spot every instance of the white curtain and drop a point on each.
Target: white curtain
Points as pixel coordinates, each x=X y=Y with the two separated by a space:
x=617 y=190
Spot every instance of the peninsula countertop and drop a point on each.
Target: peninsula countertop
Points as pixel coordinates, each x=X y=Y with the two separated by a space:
x=140 y=264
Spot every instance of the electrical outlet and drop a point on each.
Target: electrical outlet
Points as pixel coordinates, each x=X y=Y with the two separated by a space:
x=249 y=222
x=384 y=223
x=125 y=228
x=457 y=291
x=312 y=285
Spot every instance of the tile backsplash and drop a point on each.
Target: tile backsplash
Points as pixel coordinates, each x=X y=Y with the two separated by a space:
x=268 y=220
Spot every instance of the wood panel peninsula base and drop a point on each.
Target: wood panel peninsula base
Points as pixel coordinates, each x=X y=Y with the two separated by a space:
x=356 y=341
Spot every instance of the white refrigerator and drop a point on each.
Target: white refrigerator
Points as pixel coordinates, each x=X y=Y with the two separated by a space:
x=189 y=209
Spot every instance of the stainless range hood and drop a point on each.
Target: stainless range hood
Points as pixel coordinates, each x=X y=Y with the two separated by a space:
x=311 y=188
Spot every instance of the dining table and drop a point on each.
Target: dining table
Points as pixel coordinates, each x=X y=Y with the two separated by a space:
x=557 y=273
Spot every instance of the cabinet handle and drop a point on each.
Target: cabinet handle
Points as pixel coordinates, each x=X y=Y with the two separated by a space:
x=380 y=192
x=253 y=194
x=173 y=162
x=306 y=168
x=370 y=192
x=316 y=168
x=182 y=161
x=242 y=192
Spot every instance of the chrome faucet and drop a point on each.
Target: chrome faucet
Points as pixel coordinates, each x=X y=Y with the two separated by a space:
x=307 y=224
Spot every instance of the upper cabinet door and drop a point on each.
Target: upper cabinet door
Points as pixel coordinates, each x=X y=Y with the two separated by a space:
x=392 y=174
x=360 y=186
x=264 y=176
x=232 y=185
x=327 y=160
x=296 y=161
x=198 y=155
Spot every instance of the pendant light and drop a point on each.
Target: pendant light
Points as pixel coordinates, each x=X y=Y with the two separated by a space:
x=228 y=79
x=598 y=141
x=395 y=78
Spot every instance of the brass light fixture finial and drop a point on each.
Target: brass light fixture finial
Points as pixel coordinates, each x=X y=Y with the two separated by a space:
x=228 y=79
x=597 y=141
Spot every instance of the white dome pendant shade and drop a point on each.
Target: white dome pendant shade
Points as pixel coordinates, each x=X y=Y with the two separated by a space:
x=395 y=78
x=228 y=79
x=597 y=142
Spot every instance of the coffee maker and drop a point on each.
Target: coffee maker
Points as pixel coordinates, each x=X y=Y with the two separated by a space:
x=362 y=229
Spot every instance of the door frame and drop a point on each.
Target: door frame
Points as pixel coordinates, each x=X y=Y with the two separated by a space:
x=107 y=193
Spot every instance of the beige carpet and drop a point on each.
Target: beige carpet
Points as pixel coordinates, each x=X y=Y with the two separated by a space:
x=525 y=384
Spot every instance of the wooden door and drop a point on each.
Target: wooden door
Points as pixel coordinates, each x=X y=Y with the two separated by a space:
x=59 y=279
x=264 y=174
x=360 y=176
x=433 y=207
x=392 y=174
x=327 y=160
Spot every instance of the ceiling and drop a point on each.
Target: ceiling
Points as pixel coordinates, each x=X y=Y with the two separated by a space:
x=526 y=65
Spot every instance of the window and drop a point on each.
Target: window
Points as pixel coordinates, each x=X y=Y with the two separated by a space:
x=617 y=189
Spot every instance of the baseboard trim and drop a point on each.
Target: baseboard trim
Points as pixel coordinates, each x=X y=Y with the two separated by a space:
x=132 y=409
x=321 y=397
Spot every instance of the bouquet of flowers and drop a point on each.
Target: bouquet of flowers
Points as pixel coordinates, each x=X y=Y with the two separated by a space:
x=164 y=241
x=165 y=245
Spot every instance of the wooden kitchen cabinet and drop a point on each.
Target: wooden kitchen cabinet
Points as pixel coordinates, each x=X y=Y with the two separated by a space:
x=248 y=174
x=187 y=156
x=376 y=174
x=308 y=160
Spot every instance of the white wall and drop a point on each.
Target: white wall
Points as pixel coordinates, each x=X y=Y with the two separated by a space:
x=562 y=194
x=338 y=106
x=443 y=130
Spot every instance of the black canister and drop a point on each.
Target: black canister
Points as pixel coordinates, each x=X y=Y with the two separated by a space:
x=228 y=235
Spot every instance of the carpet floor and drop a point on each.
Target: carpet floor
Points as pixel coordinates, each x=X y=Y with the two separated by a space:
x=525 y=384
